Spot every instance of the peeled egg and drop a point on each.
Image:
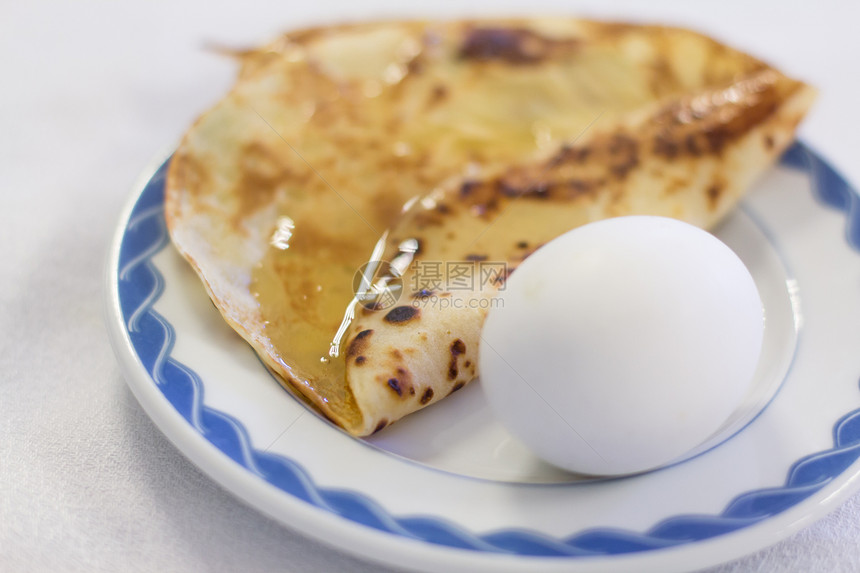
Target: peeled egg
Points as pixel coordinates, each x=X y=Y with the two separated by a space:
x=622 y=344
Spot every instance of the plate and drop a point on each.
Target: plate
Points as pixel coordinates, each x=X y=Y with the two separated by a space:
x=448 y=489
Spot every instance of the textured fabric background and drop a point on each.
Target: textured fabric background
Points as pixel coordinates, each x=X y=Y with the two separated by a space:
x=90 y=92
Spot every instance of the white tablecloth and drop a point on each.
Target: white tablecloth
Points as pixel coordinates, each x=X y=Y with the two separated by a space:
x=90 y=92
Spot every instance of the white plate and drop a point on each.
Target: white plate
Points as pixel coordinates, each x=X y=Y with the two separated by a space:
x=448 y=489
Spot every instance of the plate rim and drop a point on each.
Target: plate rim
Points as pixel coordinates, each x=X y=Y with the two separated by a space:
x=390 y=549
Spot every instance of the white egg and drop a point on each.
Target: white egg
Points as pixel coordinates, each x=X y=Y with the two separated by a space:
x=621 y=345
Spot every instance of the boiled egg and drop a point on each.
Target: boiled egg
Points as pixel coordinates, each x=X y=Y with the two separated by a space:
x=621 y=345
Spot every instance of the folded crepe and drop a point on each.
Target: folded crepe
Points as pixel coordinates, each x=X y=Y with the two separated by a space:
x=428 y=143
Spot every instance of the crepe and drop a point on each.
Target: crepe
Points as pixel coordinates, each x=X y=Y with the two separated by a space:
x=496 y=136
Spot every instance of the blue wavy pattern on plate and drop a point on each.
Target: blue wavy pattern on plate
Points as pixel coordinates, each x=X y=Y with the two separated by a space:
x=141 y=284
